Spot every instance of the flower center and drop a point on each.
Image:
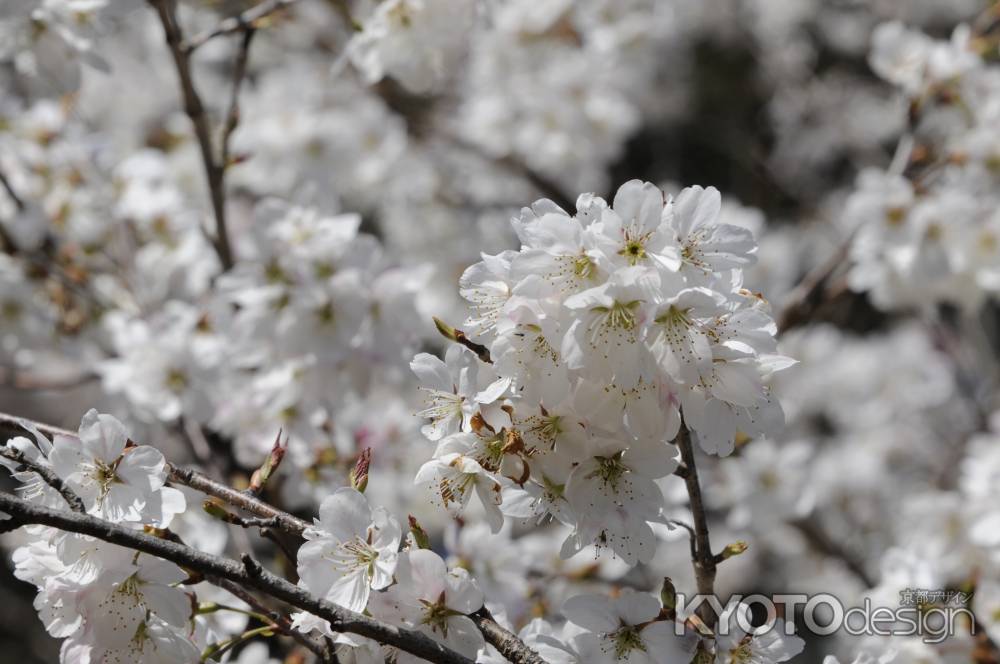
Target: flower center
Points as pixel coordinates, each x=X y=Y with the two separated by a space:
x=176 y=380
x=548 y=428
x=325 y=314
x=584 y=267
x=356 y=554
x=620 y=315
x=634 y=251
x=610 y=470
x=627 y=639
x=105 y=475
x=442 y=405
x=436 y=615
x=674 y=317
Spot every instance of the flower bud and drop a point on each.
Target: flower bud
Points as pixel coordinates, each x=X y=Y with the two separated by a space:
x=359 y=474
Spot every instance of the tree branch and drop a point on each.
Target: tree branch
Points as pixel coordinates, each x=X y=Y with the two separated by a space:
x=214 y=171
x=241 y=22
x=507 y=643
x=15 y=426
x=249 y=574
x=280 y=621
x=50 y=478
x=5 y=183
x=803 y=301
x=239 y=74
x=282 y=520
x=703 y=559
x=821 y=541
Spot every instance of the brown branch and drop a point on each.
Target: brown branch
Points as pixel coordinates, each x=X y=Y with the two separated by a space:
x=6 y=239
x=241 y=499
x=280 y=621
x=248 y=574
x=246 y=21
x=821 y=541
x=506 y=642
x=233 y=116
x=48 y=475
x=9 y=188
x=15 y=426
x=11 y=425
x=195 y=110
x=14 y=379
x=541 y=182
x=810 y=293
x=703 y=559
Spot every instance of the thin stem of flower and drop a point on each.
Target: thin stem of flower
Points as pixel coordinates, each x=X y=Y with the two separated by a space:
x=216 y=650
x=281 y=621
x=703 y=559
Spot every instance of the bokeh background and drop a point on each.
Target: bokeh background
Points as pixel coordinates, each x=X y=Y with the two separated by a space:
x=774 y=102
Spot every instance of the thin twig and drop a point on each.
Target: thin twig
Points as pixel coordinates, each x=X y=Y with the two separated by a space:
x=804 y=300
x=241 y=22
x=16 y=426
x=233 y=116
x=11 y=425
x=196 y=480
x=72 y=499
x=544 y=184
x=18 y=201
x=691 y=536
x=821 y=541
x=281 y=622
x=703 y=559
x=214 y=171
x=6 y=239
x=248 y=574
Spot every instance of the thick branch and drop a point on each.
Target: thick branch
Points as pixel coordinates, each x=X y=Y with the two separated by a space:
x=249 y=574
x=703 y=558
x=507 y=643
x=214 y=171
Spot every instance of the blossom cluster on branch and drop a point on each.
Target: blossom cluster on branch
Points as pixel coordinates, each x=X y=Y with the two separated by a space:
x=601 y=331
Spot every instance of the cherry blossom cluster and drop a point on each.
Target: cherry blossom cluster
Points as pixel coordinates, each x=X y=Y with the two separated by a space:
x=931 y=231
x=283 y=341
x=109 y=603
x=602 y=332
